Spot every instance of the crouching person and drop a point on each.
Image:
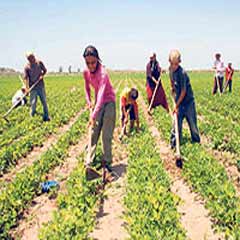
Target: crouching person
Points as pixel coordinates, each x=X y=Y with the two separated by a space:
x=19 y=99
x=184 y=99
x=129 y=109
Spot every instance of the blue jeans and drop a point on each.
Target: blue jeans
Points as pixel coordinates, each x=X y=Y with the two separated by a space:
x=187 y=111
x=33 y=101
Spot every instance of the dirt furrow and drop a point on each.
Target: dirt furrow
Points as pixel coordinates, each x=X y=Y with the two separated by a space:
x=110 y=223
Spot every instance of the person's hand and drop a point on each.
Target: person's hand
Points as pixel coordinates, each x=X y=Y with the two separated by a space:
x=90 y=106
x=27 y=91
x=41 y=78
x=175 y=110
x=91 y=122
x=125 y=120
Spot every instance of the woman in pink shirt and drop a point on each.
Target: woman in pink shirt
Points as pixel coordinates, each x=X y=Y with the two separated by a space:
x=103 y=114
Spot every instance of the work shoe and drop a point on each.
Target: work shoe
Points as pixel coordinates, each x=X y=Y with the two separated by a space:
x=91 y=174
x=46 y=119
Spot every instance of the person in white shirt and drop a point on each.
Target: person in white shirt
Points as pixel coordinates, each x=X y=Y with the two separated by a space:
x=19 y=98
x=219 y=74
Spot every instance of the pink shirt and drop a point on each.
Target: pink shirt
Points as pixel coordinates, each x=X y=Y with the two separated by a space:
x=104 y=91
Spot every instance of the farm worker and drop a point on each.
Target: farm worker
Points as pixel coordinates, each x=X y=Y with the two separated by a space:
x=19 y=99
x=229 y=75
x=153 y=73
x=129 y=107
x=183 y=97
x=103 y=115
x=34 y=72
x=219 y=74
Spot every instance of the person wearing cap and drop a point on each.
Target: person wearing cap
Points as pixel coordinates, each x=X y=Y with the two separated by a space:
x=153 y=73
x=183 y=97
x=129 y=107
x=219 y=74
x=34 y=72
x=229 y=76
x=19 y=98
x=103 y=116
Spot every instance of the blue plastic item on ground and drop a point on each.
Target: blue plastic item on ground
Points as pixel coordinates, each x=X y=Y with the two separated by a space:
x=46 y=186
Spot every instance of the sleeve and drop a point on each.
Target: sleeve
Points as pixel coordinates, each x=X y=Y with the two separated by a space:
x=148 y=71
x=100 y=96
x=43 y=68
x=87 y=88
x=183 y=80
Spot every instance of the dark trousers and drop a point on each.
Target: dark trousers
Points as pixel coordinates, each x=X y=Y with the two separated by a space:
x=218 y=81
x=229 y=84
x=187 y=111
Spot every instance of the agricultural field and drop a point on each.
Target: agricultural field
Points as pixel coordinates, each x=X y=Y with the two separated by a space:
x=150 y=198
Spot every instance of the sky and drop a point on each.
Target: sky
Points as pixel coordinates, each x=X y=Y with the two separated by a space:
x=124 y=32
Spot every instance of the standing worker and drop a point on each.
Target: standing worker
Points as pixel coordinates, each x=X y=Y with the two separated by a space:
x=103 y=116
x=229 y=76
x=183 y=97
x=219 y=74
x=153 y=73
x=34 y=72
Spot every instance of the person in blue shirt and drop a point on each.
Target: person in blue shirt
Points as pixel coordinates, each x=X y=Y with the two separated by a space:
x=184 y=98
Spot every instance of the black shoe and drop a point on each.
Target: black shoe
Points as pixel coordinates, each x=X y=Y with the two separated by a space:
x=109 y=168
x=46 y=119
x=179 y=163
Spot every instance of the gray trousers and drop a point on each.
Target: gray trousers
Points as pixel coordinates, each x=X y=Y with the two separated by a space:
x=105 y=122
x=33 y=101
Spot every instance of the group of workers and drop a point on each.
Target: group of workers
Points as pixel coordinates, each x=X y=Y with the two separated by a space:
x=103 y=107
x=219 y=75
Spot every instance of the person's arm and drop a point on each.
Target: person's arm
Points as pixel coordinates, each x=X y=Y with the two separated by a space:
x=135 y=105
x=104 y=81
x=87 y=90
x=26 y=78
x=149 y=73
x=43 y=70
x=183 y=84
x=123 y=106
x=232 y=72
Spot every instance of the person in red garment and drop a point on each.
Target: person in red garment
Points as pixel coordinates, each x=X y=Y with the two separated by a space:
x=229 y=75
x=153 y=72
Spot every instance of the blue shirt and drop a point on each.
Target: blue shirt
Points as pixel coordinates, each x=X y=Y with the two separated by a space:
x=181 y=82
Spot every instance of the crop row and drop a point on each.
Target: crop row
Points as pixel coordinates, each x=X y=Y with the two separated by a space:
x=10 y=154
x=18 y=194
x=207 y=177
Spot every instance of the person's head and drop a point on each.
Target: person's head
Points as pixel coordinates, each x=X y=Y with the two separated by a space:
x=31 y=57
x=153 y=57
x=134 y=94
x=217 y=56
x=230 y=65
x=92 y=58
x=174 y=59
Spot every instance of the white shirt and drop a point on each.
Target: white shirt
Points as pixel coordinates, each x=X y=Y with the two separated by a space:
x=219 y=68
x=16 y=98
